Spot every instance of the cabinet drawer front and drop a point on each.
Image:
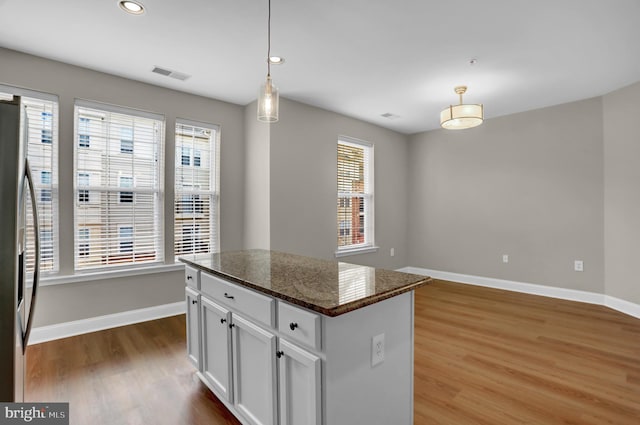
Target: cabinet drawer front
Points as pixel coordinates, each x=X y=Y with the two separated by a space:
x=299 y=325
x=252 y=304
x=192 y=277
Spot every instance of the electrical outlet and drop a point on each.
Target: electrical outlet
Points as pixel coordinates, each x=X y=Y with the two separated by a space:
x=505 y=258
x=578 y=266
x=392 y=252
x=377 y=349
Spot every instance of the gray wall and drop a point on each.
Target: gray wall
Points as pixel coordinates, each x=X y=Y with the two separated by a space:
x=257 y=230
x=622 y=192
x=304 y=188
x=81 y=300
x=529 y=185
x=546 y=187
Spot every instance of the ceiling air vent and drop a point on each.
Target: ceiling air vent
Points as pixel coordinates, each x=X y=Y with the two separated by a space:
x=390 y=116
x=169 y=73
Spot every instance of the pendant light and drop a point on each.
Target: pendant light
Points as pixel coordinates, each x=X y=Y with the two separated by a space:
x=459 y=117
x=268 y=96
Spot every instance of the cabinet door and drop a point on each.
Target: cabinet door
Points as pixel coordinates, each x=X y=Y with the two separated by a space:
x=254 y=365
x=299 y=385
x=193 y=327
x=216 y=348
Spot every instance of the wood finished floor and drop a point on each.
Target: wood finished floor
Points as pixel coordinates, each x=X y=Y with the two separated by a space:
x=482 y=356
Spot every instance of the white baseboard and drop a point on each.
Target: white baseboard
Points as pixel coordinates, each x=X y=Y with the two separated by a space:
x=532 y=288
x=622 y=305
x=93 y=324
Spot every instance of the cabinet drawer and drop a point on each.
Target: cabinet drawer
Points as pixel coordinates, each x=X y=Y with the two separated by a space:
x=299 y=325
x=192 y=277
x=252 y=304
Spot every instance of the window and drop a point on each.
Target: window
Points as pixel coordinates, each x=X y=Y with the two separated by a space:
x=355 y=196
x=46 y=245
x=41 y=137
x=185 y=156
x=126 y=239
x=45 y=177
x=196 y=188
x=45 y=180
x=46 y=134
x=126 y=140
x=45 y=195
x=126 y=182
x=84 y=126
x=83 y=181
x=84 y=248
x=125 y=216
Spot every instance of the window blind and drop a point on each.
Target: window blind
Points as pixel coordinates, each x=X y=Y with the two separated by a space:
x=196 y=217
x=355 y=194
x=41 y=113
x=118 y=186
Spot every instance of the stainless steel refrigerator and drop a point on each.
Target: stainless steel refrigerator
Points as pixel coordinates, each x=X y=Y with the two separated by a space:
x=19 y=249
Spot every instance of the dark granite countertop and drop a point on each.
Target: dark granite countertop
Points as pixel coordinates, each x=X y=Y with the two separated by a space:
x=328 y=287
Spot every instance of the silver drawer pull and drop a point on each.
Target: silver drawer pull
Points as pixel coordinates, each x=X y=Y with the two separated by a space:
x=228 y=296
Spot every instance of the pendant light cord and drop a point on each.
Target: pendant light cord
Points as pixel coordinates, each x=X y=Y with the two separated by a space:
x=269 y=42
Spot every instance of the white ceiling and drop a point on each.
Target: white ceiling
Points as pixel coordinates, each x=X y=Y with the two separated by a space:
x=361 y=58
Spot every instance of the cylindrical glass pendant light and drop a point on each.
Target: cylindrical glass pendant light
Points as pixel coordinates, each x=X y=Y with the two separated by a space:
x=268 y=101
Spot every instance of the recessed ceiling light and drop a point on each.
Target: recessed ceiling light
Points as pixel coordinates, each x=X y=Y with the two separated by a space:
x=132 y=7
x=276 y=60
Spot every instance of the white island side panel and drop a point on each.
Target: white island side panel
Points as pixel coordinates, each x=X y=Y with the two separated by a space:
x=355 y=391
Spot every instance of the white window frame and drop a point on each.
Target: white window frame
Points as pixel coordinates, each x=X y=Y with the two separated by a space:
x=369 y=244
x=47 y=137
x=102 y=186
x=192 y=192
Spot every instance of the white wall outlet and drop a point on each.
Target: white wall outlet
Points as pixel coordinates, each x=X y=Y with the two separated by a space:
x=392 y=252
x=377 y=349
x=505 y=258
x=578 y=266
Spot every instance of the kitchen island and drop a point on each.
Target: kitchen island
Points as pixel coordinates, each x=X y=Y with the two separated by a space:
x=285 y=339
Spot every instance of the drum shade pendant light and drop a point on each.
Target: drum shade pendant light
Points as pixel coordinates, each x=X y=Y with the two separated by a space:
x=268 y=96
x=459 y=117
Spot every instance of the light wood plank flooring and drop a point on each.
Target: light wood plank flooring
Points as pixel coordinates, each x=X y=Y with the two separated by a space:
x=482 y=356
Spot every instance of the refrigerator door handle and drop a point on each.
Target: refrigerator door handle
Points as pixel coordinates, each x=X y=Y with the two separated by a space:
x=36 y=269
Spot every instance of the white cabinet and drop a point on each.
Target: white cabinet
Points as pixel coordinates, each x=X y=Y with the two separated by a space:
x=299 y=381
x=254 y=366
x=193 y=326
x=271 y=362
x=216 y=348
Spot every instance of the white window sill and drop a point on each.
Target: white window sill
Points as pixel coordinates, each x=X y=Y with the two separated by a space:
x=109 y=274
x=355 y=251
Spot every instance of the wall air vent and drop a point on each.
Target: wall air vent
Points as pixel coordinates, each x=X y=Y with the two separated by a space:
x=169 y=73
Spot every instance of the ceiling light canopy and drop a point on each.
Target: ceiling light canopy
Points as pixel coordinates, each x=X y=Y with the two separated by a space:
x=133 y=7
x=268 y=96
x=460 y=117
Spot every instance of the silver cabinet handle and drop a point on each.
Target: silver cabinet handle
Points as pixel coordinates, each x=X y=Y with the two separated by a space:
x=36 y=271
